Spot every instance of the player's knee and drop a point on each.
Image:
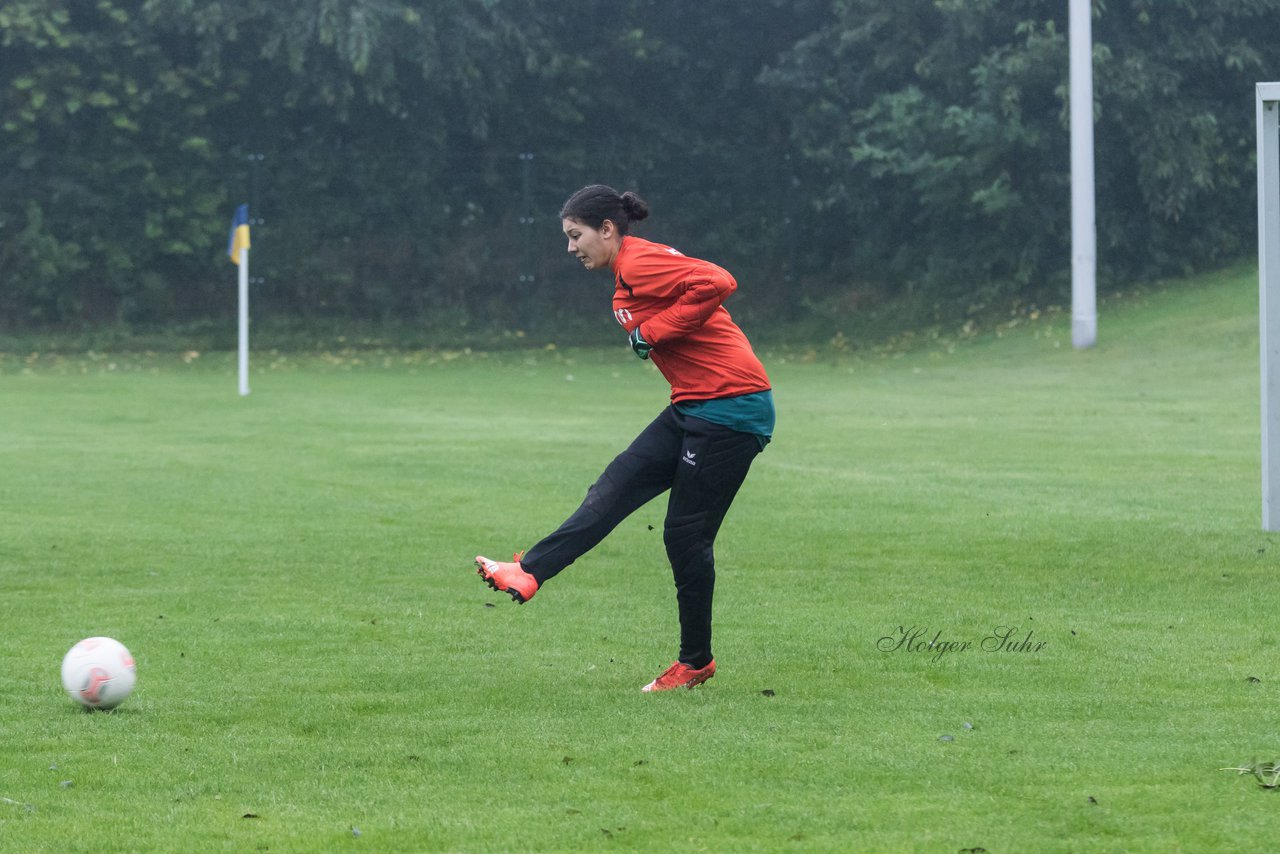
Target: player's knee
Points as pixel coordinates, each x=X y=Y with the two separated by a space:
x=686 y=541
x=601 y=495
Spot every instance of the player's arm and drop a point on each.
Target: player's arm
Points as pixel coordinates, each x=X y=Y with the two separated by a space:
x=703 y=287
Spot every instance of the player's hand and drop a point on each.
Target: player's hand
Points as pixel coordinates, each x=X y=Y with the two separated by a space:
x=638 y=344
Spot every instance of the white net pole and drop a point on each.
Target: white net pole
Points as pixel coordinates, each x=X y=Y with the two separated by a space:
x=1268 y=97
x=1084 y=240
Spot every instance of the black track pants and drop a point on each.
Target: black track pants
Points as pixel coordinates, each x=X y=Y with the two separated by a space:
x=703 y=464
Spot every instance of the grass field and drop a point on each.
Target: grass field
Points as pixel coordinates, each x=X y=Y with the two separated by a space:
x=321 y=670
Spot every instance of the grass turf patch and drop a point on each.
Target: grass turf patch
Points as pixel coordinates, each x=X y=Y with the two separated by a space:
x=319 y=669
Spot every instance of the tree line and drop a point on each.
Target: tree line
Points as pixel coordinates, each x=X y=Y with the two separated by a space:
x=407 y=160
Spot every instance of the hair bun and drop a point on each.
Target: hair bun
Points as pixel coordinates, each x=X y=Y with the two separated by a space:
x=595 y=203
x=634 y=207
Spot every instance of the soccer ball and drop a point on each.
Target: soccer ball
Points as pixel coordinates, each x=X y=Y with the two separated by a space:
x=99 y=672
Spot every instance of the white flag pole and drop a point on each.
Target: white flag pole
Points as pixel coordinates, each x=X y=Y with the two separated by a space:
x=244 y=321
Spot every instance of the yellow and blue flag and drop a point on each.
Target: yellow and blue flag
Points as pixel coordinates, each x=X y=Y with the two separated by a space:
x=239 y=234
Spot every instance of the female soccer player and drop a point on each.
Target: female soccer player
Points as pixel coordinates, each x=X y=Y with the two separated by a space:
x=700 y=447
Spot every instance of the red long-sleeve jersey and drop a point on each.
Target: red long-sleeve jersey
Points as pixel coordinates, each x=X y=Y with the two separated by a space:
x=676 y=302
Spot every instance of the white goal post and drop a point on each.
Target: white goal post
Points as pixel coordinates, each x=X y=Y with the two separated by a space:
x=1269 y=295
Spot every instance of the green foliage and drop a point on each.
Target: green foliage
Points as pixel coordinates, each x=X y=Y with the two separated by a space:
x=943 y=126
x=108 y=187
x=407 y=160
x=1176 y=129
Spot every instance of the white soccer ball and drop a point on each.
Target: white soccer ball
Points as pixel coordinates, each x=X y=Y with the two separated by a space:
x=99 y=672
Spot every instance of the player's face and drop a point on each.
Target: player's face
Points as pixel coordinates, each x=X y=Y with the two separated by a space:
x=594 y=247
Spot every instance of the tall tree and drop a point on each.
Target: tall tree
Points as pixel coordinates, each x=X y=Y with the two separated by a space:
x=109 y=174
x=942 y=127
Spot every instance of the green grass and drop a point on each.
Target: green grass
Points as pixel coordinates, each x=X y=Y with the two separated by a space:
x=320 y=670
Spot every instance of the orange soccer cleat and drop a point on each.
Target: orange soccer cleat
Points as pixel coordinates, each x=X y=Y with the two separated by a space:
x=681 y=676
x=508 y=577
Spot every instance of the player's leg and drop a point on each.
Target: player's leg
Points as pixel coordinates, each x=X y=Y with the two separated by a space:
x=637 y=475
x=714 y=463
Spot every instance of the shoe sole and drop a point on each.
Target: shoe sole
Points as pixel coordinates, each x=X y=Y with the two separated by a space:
x=488 y=579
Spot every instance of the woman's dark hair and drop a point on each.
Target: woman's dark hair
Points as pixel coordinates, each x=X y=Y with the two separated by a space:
x=592 y=205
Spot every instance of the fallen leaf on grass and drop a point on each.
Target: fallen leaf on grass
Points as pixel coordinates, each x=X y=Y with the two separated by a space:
x=1266 y=773
x=27 y=807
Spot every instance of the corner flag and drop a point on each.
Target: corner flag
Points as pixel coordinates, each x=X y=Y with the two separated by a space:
x=239 y=234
